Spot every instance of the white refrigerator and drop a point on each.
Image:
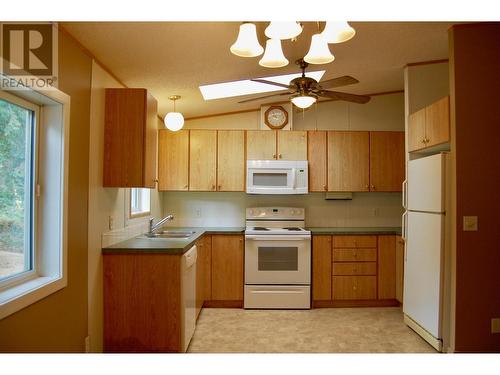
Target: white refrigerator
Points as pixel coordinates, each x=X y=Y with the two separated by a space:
x=424 y=231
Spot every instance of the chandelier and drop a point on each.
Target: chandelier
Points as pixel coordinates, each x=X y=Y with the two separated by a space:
x=247 y=43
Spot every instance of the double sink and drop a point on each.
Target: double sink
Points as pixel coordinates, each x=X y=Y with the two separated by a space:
x=182 y=234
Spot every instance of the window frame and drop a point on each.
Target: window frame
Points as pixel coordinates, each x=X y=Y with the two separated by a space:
x=24 y=276
x=131 y=216
x=52 y=206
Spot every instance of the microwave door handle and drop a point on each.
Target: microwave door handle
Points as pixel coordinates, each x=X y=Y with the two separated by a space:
x=294 y=176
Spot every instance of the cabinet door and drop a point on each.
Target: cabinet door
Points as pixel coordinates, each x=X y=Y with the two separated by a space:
x=173 y=157
x=261 y=145
x=386 y=267
x=292 y=145
x=416 y=130
x=348 y=161
x=387 y=161
x=227 y=267
x=203 y=271
x=202 y=160
x=354 y=287
x=231 y=160
x=400 y=259
x=316 y=155
x=437 y=125
x=322 y=267
x=130 y=138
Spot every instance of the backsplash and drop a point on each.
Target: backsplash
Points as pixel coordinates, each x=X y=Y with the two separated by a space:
x=228 y=209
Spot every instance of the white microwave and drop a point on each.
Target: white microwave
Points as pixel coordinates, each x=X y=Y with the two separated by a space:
x=277 y=177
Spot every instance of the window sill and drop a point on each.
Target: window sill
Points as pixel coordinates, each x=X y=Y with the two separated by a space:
x=20 y=296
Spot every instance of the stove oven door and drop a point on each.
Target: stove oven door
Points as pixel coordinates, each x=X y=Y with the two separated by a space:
x=277 y=259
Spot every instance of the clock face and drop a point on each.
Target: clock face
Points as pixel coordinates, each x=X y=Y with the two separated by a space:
x=276 y=117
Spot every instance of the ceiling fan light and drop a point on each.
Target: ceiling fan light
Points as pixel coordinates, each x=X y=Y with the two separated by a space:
x=304 y=101
x=283 y=30
x=247 y=44
x=319 y=53
x=273 y=56
x=338 y=32
x=174 y=121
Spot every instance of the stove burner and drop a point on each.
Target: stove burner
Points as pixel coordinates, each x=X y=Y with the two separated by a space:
x=260 y=228
x=293 y=229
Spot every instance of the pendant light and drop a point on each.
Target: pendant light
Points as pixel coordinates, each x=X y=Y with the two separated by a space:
x=304 y=100
x=338 y=32
x=247 y=44
x=283 y=30
x=273 y=56
x=319 y=53
x=174 y=120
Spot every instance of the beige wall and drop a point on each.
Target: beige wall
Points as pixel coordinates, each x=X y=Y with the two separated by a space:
x=58 y=323
x=103 y=204
x=383 y=112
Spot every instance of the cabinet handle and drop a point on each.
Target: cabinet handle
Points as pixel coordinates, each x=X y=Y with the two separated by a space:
x=155 y=180
x=423 y=141
x=219 y=187
x=367 y=186
x=427 y=140
x=279 y=156
x=185 y=186
x=373 y=187
x=274 y=156
x=213 y=187
x=354 y=287
x=325 y=188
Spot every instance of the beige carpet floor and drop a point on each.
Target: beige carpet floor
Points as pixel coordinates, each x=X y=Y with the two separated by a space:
x=338 y=330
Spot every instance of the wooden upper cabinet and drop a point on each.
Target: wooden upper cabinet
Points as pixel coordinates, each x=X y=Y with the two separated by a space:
x=202 y=160
x=416 y=130
x=387 y=161
x=292 y=145
x=231 y=160
x=322 y=268
x=437 y=122
x=429 y=126
x=348 y=161
x=173 y=160
x=261 y=144
x=316 y=155
x=130 y=139
x=386 y=267
x=227 y=267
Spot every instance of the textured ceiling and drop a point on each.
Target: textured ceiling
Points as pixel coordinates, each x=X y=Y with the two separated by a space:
x=176 y=57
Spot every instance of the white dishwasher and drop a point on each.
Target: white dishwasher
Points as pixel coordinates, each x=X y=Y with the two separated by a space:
x=188 y=296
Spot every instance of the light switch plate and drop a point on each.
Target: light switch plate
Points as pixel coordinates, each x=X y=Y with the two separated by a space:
x=470 y=223
x=495 y=325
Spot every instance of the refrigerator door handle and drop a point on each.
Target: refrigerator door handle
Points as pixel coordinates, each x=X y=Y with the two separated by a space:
x=404 y=187
x=403 y=225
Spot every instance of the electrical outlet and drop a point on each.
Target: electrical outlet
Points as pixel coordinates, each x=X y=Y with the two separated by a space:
x=198 y=212
x=495 y=325
x=376 y=212
x=111 y=222
x=470 y=223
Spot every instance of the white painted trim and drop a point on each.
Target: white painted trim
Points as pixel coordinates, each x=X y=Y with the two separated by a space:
x=51 y=276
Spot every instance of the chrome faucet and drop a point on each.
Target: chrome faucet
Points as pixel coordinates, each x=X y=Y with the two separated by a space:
x=154 y=227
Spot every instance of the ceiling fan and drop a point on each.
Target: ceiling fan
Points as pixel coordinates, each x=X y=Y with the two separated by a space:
x=304 y=91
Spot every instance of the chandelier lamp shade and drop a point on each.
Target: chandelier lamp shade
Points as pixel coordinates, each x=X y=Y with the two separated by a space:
x=247 y=44
x=319 y=53
x=273 y=55
x=283 y=30
x=174 y=121
x=338 y=32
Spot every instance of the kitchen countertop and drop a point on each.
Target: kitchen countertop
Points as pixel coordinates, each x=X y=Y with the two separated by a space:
x=355 y=230
x=143 y=245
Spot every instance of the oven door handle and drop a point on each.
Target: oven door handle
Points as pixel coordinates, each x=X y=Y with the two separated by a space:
x=276 y=238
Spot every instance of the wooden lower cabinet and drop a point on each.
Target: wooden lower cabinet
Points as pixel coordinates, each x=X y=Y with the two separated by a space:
x=142 y=295
x=203 y=272
x=227 y=269
x=359 y=269
x=354 y=287
x=400 y=260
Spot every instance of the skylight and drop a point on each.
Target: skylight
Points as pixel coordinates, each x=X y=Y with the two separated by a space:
x=247 y=87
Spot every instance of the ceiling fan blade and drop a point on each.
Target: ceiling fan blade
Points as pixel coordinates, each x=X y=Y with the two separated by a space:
x=266 y=96
x=270 y=83
x=337 y=82
x=361 y=99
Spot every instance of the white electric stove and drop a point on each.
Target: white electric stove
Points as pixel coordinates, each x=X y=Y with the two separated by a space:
x=277 y=259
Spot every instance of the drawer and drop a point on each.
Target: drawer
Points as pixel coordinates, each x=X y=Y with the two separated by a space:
x=354 y=241
x=360 y=268
x=354 y=287
x=354 y=255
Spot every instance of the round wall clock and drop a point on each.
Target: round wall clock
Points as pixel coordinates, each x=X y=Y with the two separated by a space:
x=276 y=117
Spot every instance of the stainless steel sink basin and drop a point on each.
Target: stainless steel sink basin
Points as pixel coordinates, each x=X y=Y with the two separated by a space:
x=171 y=234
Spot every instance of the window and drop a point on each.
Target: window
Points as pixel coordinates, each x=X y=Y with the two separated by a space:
x=34 y=129
x=140 y=202
x=17 y=171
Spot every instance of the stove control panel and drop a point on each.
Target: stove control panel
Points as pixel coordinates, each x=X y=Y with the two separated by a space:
x=275 y=213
